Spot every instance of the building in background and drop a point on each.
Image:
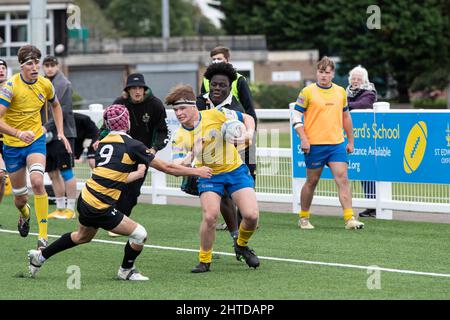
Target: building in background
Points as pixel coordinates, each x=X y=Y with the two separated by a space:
x=15 y=26
x=98 y=68
x=98 y=71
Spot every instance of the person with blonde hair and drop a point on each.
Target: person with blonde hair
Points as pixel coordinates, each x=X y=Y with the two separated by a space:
x=361 y=94
x=319 y=115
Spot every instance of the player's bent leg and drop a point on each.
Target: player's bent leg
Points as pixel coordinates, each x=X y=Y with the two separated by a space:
x=339 y=170
x=36 y=167
x=83 y=234
x=66 y=241
x=229 y=214
x=137 y=237
x=20 y=192
x=210 y=202
x=245 y=199
x=306 y=196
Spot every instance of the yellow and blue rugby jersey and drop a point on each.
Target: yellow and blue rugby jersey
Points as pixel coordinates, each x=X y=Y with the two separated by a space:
x=115 y=159
x=24 y=102
x=216 y=153
x=322 y=110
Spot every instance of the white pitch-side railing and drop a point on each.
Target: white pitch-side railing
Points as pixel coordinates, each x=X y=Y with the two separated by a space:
x=274 y=181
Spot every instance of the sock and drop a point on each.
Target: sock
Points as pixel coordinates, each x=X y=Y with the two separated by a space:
x=63 y=243
x=234 y=234
x=41 y=208
x=244 y=236
x=25 y=211
x=71 y=204
x=129 y=256
x=348 y=214
x=60 y=203
x=304 y=214
x=205 y=256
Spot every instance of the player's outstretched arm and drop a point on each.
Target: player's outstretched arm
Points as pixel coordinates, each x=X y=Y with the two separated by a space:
x=177 y=170
x=186 y=161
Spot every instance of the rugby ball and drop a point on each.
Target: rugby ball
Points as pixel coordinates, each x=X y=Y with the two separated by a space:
x=415 y=146
x=232 y=130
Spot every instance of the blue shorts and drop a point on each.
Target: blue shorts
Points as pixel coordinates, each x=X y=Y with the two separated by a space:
x=16 y=157
x=321 y=155
x=231 y=181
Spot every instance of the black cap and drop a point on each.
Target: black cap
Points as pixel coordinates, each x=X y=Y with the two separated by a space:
x=135 y=80
x=3 y=63
x=50 y=59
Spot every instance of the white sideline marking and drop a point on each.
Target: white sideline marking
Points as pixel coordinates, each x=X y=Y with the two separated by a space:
x=329 y=264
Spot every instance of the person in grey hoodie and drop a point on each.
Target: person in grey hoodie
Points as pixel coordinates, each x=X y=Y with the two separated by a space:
x=361 y=94
x=59 y=162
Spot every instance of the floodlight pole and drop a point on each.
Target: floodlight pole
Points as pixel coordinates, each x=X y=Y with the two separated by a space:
x=165 y=24
x=38 y=14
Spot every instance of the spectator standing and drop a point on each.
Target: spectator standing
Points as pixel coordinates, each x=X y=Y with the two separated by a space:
x=361 y=94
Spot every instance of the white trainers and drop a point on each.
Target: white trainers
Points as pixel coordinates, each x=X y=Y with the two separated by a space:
x=35 y=262
x=303 y=223
x=130 y=274
x=353 y=224
x=62 y=214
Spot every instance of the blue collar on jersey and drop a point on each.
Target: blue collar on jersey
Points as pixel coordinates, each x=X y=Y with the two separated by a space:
x=33 y=82
x=199 y=120
x=324 y=87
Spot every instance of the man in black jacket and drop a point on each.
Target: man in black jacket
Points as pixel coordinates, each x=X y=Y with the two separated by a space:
x=148 y=124
x=220 y=76
x=87 y=134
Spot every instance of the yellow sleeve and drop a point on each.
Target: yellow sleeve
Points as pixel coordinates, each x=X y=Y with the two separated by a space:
x=302 y=100
x=180 y=145
x=6 y=94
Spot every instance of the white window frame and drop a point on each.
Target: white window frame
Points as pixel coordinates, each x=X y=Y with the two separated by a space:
x=8 y=23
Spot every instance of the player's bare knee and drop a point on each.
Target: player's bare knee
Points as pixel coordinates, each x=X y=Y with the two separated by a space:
x=138 y=236
x=210 y=220
x=251 y=218
x=312 y=182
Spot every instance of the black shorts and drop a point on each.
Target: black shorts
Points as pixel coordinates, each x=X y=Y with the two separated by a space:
x=108 y=219
x=57 y=156
x=79 y=151
x=1 y=147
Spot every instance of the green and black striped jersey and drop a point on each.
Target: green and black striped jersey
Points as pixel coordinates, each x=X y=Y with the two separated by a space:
x=116 y=157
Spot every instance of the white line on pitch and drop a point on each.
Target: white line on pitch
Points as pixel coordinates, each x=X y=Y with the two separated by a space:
x=329 y=264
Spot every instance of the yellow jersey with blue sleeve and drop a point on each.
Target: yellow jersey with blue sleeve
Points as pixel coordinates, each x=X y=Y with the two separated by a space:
x=215 y=153
x=323 y=110
x=24 y=101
